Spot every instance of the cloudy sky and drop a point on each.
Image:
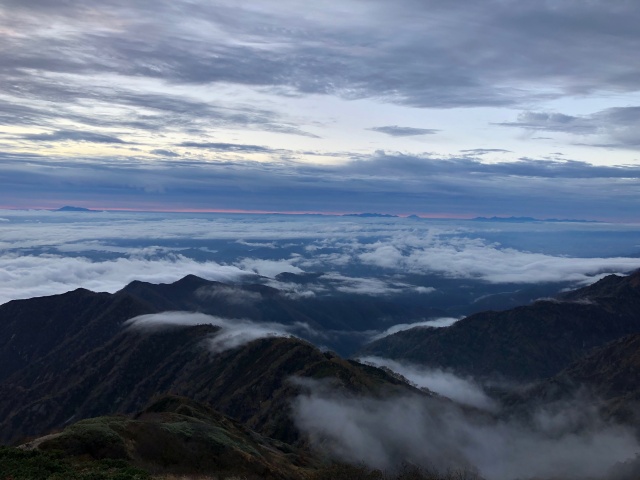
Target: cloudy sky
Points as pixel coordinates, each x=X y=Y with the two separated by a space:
x=491 y=107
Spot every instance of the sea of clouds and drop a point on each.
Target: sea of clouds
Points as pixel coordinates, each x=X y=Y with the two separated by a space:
x=44 y=253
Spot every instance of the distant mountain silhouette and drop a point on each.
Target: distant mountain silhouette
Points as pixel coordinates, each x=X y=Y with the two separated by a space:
x=69 y=208
x=525 y=343
x=529 y=219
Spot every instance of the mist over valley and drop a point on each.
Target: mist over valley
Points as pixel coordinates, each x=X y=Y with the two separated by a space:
x=446 y=345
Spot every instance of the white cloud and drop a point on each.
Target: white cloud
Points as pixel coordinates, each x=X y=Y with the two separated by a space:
x=269 y=268
x=433 y=322
x=566 y=440
x=32 y=276
x=386 y=256
x=233 y=332
x=151 y=247
x=462 y=257
x=363 y=286
x=462 y=390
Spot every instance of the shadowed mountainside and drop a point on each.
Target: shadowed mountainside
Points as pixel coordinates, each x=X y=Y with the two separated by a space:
x=610 y=376
x=525 y=343
x=261 y=303
x=69 y=357
x=61 y=328
x=66 y=357
x=250 y=384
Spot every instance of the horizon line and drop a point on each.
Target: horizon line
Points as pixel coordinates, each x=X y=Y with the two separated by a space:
x=438 y=216
x=242 y=211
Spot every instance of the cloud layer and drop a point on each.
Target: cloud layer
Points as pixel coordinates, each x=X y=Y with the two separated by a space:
x=386 y=182
x=566 y=440
x=229 y=44
x=43 y=253
x=33 y=276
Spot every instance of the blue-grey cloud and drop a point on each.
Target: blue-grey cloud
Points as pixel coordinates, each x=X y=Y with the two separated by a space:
x=616 y=127
x=383 y=182
x=470 y=54
x=484 y=151
x=396 y=131
x=29 y=104
x=172 y=70
x=227 y=147
x=72 y=135
x=164 y=153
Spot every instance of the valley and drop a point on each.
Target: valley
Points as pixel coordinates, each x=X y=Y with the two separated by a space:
x=179 y=358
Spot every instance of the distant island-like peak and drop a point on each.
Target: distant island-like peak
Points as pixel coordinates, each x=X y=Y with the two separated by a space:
x=69 y=208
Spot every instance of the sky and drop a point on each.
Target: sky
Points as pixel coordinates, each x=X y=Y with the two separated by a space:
x=430 y=107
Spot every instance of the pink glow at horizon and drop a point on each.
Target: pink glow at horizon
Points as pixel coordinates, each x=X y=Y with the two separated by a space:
x=158 y=209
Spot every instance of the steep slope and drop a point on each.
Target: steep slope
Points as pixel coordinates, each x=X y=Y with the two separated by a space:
x=525 y=343
x=61 y=327
x=251 y=384
x=610 y=375
x=64 y=327
x=66 y=356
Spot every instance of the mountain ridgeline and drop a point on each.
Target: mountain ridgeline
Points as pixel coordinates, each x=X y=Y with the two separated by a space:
x=138 y=394
x=70 y=356
x=526 y=343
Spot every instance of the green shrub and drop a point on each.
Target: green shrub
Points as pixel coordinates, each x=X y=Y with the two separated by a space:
x=18 y=464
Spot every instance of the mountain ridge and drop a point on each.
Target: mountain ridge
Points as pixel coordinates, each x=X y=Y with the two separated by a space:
x=525 y=343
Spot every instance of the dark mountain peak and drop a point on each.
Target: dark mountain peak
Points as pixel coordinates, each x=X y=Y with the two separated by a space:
x=69 y=208
x=189 y=283
x=528 y=342
x=59 y=327
x=607 y=287
x=192 y=281
x=77 y=294
x=80 y=291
